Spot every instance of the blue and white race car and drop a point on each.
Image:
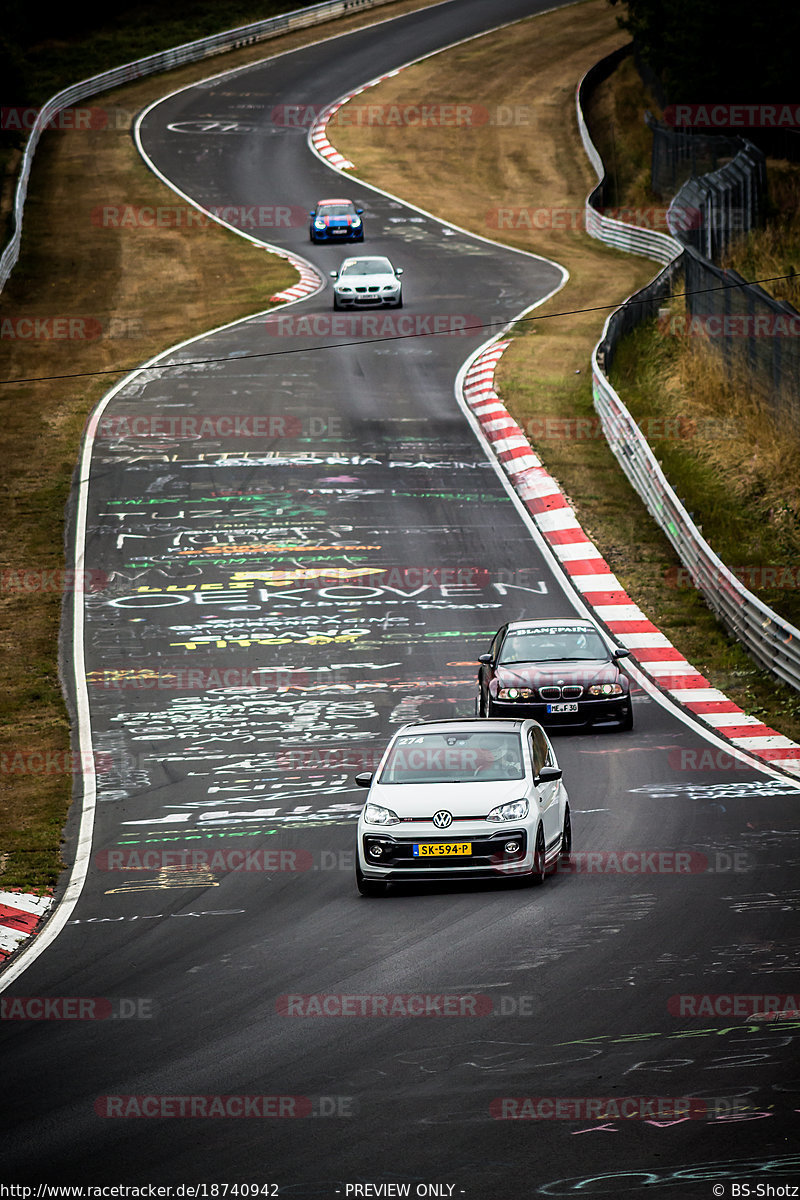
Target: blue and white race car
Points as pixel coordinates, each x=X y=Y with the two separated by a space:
x=336 y=221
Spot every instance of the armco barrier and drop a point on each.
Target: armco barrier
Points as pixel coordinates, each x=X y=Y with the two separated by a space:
x=165 y=60
x=648 y=242
x=772 y=641
x=710 y=210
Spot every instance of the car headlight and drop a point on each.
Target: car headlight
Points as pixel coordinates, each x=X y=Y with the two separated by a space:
x=343 y=287
x=516 y=810
x=355 y=222
x=374 y=814
x=606 y=689
x=390 y=287
x=514 y=693
x=319 y=223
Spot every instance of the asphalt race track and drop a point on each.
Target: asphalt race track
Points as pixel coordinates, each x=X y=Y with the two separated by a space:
x=320 y=557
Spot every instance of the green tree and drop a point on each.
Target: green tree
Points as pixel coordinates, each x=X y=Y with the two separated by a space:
x=718 y=51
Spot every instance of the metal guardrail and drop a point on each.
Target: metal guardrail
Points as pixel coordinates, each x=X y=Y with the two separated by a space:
x=679 y=153
x=164 y=60
x=753 y=334
x=710 y=211
x=649 y=242
x=772 y=641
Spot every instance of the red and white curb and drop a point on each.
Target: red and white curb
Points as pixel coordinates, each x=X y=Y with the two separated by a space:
x=319 y=139
x=310 y=281
x=20 y=914
x=600 y=589
x=318 y=135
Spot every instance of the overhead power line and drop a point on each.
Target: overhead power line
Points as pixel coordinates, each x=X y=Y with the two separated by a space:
x=396 y=337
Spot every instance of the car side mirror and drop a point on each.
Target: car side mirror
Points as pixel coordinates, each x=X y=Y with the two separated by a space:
x=549 y=775
x=359 y=211
x=621 y=653
x=311 y=214
x=398 y=271
x=486 y=659
x=334 y=274
x=364 y=779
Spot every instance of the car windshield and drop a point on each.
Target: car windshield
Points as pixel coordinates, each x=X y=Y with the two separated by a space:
x=335 y=210
x=551 y=644
x=368 y=266
x=454 y=758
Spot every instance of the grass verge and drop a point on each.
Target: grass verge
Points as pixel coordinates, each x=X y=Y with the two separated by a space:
x=523 y=182
x=774 y=250
x=736 y=466
x=133 y=292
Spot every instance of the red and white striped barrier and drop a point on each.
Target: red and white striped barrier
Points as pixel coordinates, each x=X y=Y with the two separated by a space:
x=600 y=589
x=318 y=135
x=310 y=281
x=319 y=138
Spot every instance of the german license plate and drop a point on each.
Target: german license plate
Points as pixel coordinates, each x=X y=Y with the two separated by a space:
x=441 y=849
x=559 y=708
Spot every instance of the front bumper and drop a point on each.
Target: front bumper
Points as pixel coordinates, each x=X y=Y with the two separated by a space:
x=603 y=710
x=367 y=299
x=491 y=856
x=337 y=233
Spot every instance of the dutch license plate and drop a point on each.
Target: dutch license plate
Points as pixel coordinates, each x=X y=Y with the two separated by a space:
x=559 y=708
x=441 y=849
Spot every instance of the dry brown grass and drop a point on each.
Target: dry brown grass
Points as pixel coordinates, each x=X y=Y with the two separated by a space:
x=774 y=250
x=533 y=170
x=615 y=115
x=738 y=463
x=737 y=433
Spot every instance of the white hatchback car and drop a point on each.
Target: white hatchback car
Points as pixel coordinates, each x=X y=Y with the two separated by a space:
x=469 y=799
x=367 y=283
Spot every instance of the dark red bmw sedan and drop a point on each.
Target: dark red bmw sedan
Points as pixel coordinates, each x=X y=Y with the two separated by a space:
x=560 y=671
